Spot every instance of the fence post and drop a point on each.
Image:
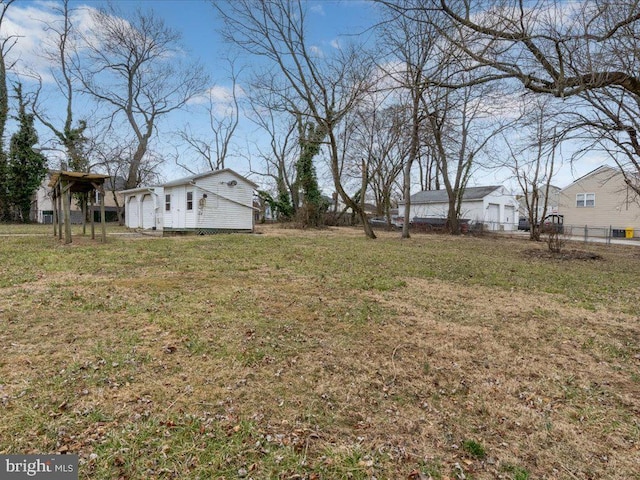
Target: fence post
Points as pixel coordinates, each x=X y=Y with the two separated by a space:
x=609 y=236
x=586 y=234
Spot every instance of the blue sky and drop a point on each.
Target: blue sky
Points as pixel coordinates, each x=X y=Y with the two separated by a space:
x=197 y=22
x=330 y=21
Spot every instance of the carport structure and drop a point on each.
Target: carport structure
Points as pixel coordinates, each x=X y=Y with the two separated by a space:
x=63 y=185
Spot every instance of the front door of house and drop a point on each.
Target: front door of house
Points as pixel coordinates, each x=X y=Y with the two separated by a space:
x=178 y=207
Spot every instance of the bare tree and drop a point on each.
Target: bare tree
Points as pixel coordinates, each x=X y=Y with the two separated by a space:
x=550 y=46
x=278 y=160
x=133 y=67
x=379 y=147
x=318 y=88
x=533 y=160
x=6 y=44
x=585 y=50
x=427 y=165
x=610 y=125
x=451 y=127
x=224 y=115
x=62 y=54
x=463 y=124
x=109 y=152
x=412 y=47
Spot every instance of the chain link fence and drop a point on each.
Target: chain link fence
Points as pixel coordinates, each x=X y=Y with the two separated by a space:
x=600 y=233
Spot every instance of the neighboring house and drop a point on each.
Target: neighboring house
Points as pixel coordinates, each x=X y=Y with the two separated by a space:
x=216 y=201
x=552 y=205
x=42 y=206
x=601 y=200
x=493 y=206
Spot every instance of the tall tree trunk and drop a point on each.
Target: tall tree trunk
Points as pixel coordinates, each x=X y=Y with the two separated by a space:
x=453 y=222
x=356 y=207
x=413 y=153
x=4 y=114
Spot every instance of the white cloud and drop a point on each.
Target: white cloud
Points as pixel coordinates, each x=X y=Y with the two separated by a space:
x=219 y=99
x=316 y=51
x=34 y=27
x=318 y=9
x=219 y=94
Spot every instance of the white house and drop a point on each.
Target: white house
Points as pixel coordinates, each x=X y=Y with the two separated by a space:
x=215 y=201
x=493 y=206
x=42 y=204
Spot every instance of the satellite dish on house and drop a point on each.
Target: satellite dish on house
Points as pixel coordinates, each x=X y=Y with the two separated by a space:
x=232 y=183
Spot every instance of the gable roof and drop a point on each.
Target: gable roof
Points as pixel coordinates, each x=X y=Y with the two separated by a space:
x=440 y=196
x=601 y=169
x=193 y=178
x=150 y=189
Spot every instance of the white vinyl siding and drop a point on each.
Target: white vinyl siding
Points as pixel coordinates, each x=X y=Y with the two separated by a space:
x=470 y=210
x=227 y=205
x=220 y=200
x=496 y=210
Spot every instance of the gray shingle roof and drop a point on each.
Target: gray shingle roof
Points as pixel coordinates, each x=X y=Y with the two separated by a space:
x=440 y=196
x=184 y=180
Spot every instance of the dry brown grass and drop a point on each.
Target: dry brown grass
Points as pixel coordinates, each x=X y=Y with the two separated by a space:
x=321 y=354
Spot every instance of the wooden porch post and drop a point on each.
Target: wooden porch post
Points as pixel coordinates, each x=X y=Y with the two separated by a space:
x=66 y=206
x=54 y=204
x=84 y=213
x=102 y=214
x=92 y=210
x=60 y=212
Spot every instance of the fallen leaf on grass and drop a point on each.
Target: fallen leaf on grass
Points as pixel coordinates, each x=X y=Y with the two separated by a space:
x=418 y=475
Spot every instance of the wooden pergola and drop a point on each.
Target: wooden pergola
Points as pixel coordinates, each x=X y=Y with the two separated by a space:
x=63 y=185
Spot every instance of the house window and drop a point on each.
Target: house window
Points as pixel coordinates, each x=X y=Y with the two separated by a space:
x=586 y=200
x=189 y=200
x=167 y=202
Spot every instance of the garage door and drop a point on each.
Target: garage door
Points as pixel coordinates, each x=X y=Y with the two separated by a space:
x=510 y=217
x=148 y=212
x=132 y=219
x=493 y=216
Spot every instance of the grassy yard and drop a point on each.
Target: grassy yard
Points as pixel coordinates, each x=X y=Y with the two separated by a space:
x=321 y=355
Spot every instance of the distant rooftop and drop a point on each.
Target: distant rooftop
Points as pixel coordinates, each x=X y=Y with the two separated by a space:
x=440 y=196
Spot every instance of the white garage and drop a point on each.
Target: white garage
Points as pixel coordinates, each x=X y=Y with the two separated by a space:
x=493 y=206
x=143 y=208
x=210 y=202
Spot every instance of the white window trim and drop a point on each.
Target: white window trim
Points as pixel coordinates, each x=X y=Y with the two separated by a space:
x=187 y=200
x=585 y=198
